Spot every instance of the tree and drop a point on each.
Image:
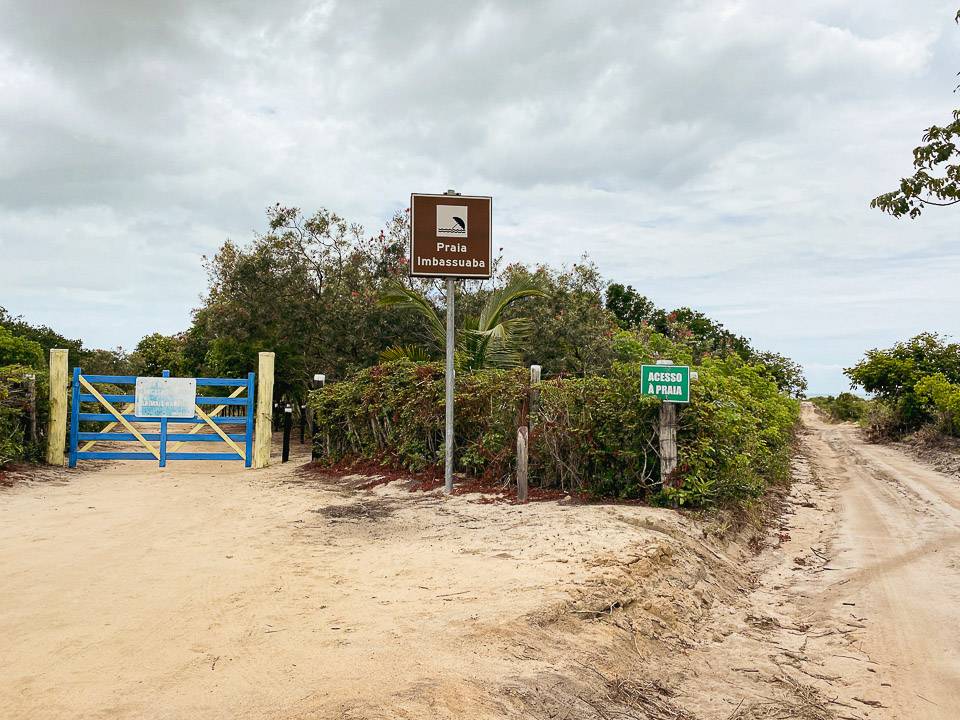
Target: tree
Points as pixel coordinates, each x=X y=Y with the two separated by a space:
x=893 y=374
x=571 y=330
x=787 y=374
x=307 y=291
x=704 y=337
x=156 y=353
x=45 y=337
x=936 y=180
x=630 y=308
x=486 y=341
x=19 y=351
x=107 y=362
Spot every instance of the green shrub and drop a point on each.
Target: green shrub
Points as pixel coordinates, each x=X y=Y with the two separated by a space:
x=894 y=374
x=735 y=435
x=16 y=350
x=13 y=411
x=597 y=435
x=593 y=434
x=945 y=397
x=395 y=413
x=844 y=407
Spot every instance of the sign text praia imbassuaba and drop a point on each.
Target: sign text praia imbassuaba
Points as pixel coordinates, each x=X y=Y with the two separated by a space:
x=670 y=383
x=450 y=236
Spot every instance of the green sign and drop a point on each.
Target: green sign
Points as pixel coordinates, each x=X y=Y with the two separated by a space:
x=670 y=383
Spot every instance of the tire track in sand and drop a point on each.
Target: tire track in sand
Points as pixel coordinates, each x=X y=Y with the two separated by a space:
x=896 y=546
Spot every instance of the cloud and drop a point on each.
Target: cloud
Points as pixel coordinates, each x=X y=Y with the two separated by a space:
x=718 y=155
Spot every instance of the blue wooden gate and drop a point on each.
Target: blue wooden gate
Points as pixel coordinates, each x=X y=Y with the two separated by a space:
x=240 y=444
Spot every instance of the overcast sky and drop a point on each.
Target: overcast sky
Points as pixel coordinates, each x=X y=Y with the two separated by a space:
x=719 y=155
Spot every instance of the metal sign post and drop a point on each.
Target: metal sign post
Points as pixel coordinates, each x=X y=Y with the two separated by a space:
x=448 y=445
x=450 y=238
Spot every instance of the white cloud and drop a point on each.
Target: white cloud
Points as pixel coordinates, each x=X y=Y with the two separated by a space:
x=719 y=155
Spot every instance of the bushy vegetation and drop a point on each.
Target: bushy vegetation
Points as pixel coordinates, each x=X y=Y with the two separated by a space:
x=24 y=352
x=913 y=384
x=311 y=290
x=945 y=398
x=594 y=434
x=20 y=358
x=844 y=407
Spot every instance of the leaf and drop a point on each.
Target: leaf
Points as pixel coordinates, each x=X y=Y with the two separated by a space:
x=404 y=352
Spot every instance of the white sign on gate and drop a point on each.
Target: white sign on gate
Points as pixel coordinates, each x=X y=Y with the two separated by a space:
x=158 y=397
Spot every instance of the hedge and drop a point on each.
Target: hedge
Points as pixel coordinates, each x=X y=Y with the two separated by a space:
x=595 y=434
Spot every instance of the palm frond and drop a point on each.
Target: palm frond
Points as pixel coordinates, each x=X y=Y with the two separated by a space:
x=500 y=299
x=404 y=352
x=510 y=331
x=485 y=342
x=403 y=297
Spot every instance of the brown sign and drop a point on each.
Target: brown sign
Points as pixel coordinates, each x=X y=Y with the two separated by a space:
x=451 y=236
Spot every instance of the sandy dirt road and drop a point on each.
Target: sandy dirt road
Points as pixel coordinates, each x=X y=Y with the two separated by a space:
x=206 y=591
x=855 y=611
x=897 y=554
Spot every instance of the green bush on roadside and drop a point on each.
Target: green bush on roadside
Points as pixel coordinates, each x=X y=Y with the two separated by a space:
x=13 y=412
x=844 y=407
x=593 y=434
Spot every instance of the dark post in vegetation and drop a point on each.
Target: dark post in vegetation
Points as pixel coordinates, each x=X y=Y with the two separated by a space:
x=287 y=425
x=32 y=408
x=303 y=421
x=321 y=379
x=534 y=389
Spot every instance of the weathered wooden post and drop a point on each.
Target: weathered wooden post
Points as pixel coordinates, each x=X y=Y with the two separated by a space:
x=534 y=389
x=523 y=432
x=668 y=440
x=57 y=428
x=522 y=438
x=264 y=427
x=671 y=384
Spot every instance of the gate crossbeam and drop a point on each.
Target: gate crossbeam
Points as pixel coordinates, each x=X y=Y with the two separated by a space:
x=199 y=426
x=118 y=416
x=206 y=418
x=108 y=428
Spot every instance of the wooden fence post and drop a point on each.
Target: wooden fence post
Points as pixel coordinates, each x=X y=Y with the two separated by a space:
x=523 y=432
x=264 y=428
x=522 y=436
x=668 y=440
x=57 y=428
x=534 y=389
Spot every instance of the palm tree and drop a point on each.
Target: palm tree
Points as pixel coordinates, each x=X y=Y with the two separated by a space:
x=485 y=342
